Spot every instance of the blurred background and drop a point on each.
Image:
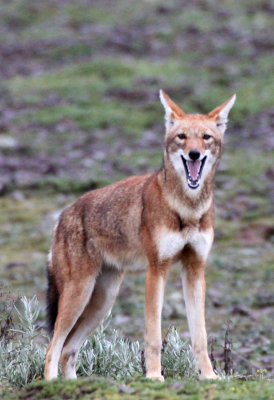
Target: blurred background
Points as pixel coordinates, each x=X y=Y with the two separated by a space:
x=79 y=109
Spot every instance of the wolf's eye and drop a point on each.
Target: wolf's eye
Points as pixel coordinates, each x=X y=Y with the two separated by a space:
x=207 y=136
x=181 y=136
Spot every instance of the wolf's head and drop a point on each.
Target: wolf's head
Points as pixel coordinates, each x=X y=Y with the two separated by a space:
x=193 y=142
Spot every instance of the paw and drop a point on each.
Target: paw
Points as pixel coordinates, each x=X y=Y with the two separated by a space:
x=214 y=376
x=211 y=376
x=155 y=377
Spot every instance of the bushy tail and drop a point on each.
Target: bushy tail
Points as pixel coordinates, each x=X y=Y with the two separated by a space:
x=52 y=301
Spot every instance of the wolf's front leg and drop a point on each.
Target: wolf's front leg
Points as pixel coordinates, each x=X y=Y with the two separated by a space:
x=194 y=293
x=155 y=284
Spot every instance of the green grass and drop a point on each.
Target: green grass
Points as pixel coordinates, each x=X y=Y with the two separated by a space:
x=90 y=81
x=98 y=388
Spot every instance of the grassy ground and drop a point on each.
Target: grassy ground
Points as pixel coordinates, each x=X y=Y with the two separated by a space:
x=79 y=108
x=100 y=388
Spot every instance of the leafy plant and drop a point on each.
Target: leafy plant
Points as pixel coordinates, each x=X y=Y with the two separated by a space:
x=108 y=354
x=22 y=358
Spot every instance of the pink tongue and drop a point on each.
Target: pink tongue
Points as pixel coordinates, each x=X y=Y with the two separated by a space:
x=194 y=168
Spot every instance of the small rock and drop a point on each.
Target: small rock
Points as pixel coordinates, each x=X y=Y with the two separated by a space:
x=264 y=299
x=121 y=319
x=174 y=307
x=7 y=142
x=177 y=385
x=242 y=310
x=3 y=189
x=17 y=195
x=15 y=264
x=126 y=389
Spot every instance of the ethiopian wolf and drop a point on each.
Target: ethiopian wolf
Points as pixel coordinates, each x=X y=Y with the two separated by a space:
x=159 y=219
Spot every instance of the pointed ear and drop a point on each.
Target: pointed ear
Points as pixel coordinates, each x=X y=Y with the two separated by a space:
x=220 y=114
x=172 y=111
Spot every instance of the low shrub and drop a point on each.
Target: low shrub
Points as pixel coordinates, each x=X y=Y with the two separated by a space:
x=23 y=348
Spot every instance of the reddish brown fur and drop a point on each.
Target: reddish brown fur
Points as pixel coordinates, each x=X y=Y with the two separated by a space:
x=106 y=229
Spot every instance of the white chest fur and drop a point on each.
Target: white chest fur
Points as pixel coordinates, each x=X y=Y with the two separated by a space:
x=170 y=243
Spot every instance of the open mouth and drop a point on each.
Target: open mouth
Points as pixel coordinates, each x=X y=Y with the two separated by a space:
x=194 y=171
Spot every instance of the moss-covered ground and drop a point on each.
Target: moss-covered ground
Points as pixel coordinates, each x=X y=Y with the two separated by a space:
x=101 y=388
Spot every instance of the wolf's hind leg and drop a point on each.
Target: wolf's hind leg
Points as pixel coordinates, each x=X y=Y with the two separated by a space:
x=105 y=291
x=72 y=303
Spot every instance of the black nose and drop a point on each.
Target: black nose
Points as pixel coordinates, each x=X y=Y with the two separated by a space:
x=194 y=155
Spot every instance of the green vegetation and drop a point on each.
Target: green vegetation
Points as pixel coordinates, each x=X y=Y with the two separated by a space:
x=105 y=353
x=98 y=388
